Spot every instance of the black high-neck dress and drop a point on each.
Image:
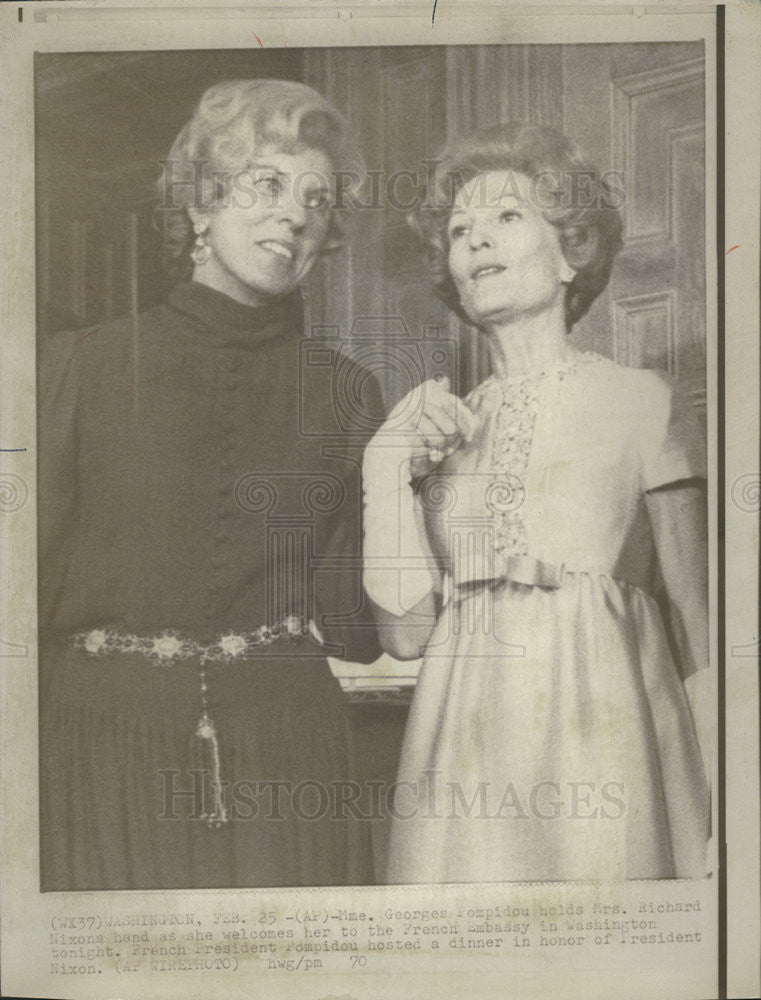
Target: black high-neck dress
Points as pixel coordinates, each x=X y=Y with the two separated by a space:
x=199 y=494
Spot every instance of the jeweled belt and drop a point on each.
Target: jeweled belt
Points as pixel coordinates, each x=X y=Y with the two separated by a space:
x=168 y=647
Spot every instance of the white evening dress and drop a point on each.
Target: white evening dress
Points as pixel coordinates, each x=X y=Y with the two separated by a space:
x=550 y=737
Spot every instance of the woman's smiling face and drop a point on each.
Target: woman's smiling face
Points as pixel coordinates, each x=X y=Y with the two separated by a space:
x=266 y=237
x=504 y=256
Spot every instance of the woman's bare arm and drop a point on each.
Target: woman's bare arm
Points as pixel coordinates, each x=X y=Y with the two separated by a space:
x=679 y=522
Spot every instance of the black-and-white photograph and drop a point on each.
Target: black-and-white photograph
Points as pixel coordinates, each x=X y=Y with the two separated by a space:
x=372 y=466
x=379 y=500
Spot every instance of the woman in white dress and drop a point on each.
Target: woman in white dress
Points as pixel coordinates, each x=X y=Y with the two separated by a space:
x=542 y=545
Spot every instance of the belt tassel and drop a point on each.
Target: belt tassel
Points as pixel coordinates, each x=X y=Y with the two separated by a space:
x=207 y=731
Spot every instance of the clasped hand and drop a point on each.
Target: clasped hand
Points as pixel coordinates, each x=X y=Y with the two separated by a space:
x=431 y=422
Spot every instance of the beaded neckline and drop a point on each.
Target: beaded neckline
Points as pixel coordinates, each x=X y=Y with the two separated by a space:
x=511 y=446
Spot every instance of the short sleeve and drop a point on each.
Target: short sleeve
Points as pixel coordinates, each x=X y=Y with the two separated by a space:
x=672 y=443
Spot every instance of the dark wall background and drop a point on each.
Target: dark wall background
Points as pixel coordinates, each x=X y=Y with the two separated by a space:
x=104 y=120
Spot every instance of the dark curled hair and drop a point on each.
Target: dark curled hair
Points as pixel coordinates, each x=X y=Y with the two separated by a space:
x=232 y=124
x=568 y=191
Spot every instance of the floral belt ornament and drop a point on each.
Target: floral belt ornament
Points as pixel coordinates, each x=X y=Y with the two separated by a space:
x=168 y=647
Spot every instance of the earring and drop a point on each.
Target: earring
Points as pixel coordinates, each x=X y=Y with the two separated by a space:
x=201 y=251
x=567 y=274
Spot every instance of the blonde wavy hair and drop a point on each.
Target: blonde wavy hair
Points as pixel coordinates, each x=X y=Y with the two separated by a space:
x=233 y=122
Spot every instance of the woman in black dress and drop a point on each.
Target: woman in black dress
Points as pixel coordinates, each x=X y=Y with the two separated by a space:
x=199 y=527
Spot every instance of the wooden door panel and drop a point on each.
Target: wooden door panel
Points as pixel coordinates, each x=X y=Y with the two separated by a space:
x=639 y=110
x=643 y=331
x=649 y=108
x=658 y=133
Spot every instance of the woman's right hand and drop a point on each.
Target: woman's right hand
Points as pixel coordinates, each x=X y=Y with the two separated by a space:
x=430 y=422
